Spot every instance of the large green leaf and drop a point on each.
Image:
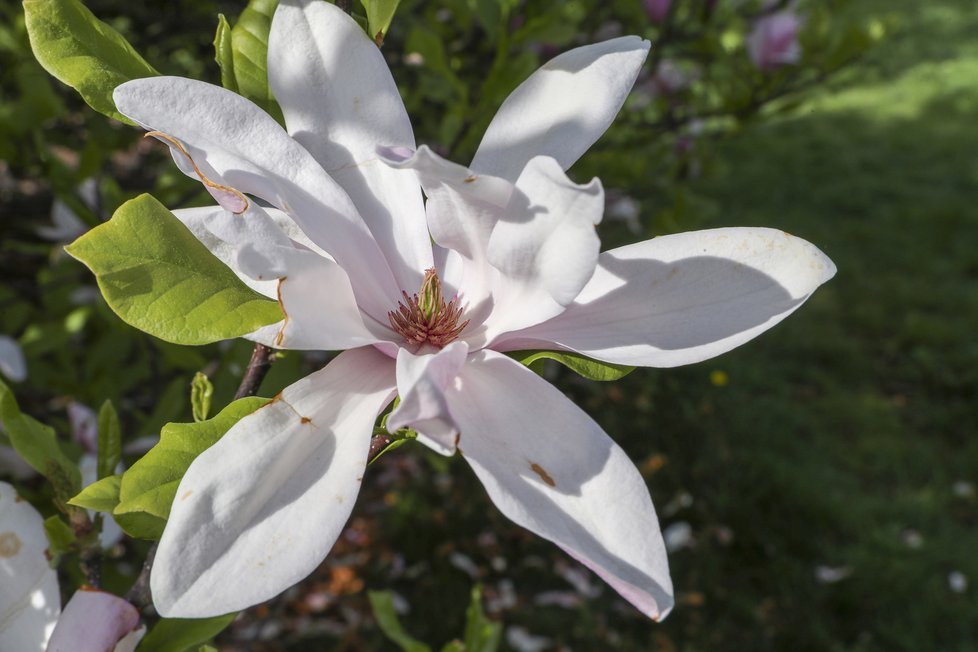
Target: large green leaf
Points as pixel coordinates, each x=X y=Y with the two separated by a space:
x=249 y=55
x=159 y=278
x=38 y=445
x=150 y=485
x=590 y=369
x=82 y=51
x=182 y=634
x=379 y=16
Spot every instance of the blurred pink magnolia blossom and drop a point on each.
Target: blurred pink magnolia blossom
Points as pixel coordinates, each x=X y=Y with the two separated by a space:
x=657 y=9
x=774 y=40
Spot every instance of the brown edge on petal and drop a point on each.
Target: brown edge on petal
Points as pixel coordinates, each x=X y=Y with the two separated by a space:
x=536 y=468
x=203 y=178
x=469 y=179
x=285 y=322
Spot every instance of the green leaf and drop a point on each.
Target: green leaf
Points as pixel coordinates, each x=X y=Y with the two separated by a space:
x=379 y=16
x=101 y=496
x=150 y=485
x=182 y=634
x=201 y=391
x=109 y=440
x=159 y=278
x=481 y=634
x=38 y=445
x=223 y=54
x=382 y=603
x=590 y=369
x=249 y=53
x=83 y=52
x=60 y=535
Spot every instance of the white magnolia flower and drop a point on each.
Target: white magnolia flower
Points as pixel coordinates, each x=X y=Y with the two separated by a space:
x=31 y=619
x=347 y=246
x=12 y=363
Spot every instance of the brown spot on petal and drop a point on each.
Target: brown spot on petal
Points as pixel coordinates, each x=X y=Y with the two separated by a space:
x=536 y=468
x=470 y=179
x=305 y=420
x=9 y=544
x=187 y=495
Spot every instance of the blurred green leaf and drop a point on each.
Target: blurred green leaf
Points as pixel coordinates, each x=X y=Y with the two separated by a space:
x=201 y=392
x=249 y=55
x=159 y=278
x=100 y=496
x=109 y=440
x=182 y=634
x=590 y=369
x=38 y=445
x=379 y=16
x=224 y=54
x=382 y=603
x=150 y=485
x=481 y=634
x=60 y=535
x=83 y=52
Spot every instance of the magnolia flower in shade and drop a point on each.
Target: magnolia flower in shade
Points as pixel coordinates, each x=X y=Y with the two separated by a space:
x=12 y=363
x=773 y=42
x=426 y=299
x=31 y=619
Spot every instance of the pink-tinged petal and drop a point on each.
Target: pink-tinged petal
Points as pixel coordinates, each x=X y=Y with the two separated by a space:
x=12 y=363
x=562 y=108
x=94 y=621
x=259 y=510
x=680 y=299
x=544 y=246
x=29 y=600
x=340 y=102
x=551 y=469
x=462 y=208
x=235 y=144
x=421 y=383
x=773 y=41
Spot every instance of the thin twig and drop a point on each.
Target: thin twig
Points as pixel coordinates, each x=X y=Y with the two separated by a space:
x=261 y=360
x=139 y=595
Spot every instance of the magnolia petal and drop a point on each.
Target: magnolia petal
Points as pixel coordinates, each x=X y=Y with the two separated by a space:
x=545 y=246
x=462 y=209
x=12 y=363
x=29 y=601
x=321 y=312
x=259 y=510
x=236 y=144
x=421 y=383
x=94 y=621
x=551 y=469
x=562 y=108
x=339 y=100
x=680 y=299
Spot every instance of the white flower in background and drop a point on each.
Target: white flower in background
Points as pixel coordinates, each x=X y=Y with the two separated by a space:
x=30 y=601
x=65 y=223
x=773 y=42
x=347 y=250
x=12 y=363
x=84 y=429
x=29 y=597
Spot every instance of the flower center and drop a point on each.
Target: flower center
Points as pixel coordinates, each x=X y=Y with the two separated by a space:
x=425 y=318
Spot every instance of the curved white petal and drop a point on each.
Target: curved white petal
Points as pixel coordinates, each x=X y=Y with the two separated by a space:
x=95 y=621
x=562 y=108
x=551 y=469
x=340 y=101
x=462 y=209
x=29 y=600
x=421 y=383
x=259 y=510
x=680 y=299
x=12 y=363
x=544 y=246
x=236 y=144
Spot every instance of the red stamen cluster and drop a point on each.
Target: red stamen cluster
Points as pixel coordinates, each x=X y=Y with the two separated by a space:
x=436 y=323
